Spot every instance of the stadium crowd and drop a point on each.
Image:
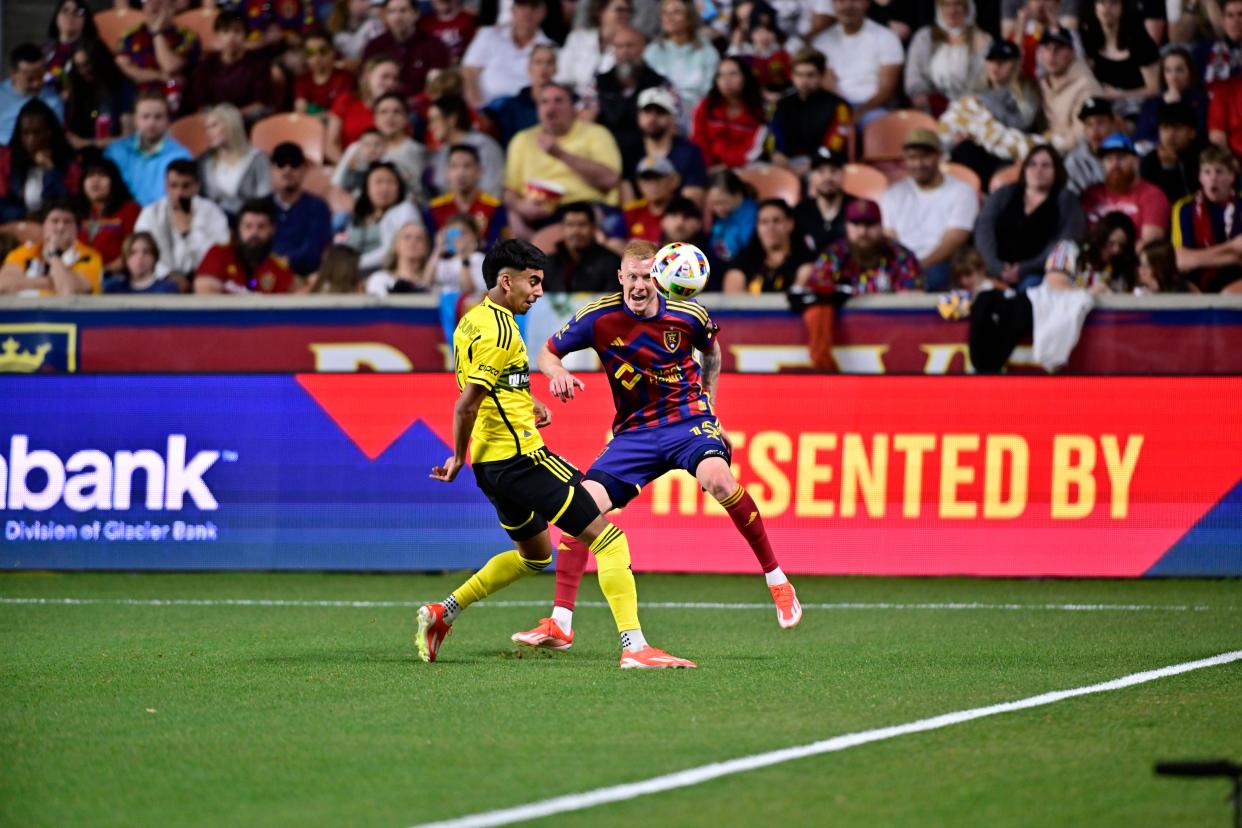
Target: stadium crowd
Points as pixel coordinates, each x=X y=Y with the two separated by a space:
x=860 y=146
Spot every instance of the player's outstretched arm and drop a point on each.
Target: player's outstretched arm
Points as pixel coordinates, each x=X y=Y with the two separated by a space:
x=563 y=383
x=465 y=412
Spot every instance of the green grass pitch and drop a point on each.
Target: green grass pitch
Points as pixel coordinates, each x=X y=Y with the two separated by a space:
x=296 y=715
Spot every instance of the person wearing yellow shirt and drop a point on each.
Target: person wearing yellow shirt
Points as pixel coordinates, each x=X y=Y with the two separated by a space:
x=58 y=265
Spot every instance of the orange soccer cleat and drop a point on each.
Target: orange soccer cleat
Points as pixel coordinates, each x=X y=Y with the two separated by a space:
x=432 y=630
x=788 y=610
x=548 y=636
x=649 y=658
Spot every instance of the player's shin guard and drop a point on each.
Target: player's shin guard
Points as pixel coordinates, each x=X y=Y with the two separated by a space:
x=616 y=581
x=745 y=516
x=496 y=574
x=571 y=561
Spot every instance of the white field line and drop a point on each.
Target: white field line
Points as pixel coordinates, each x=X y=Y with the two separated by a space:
x=694 y=605
x=706 y=773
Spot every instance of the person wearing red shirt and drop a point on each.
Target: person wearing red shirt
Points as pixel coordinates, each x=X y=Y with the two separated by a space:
x=464 y=196
x=351 y=113
x=322 y=83
x=1122 y=191
x=658 y=182
x=108 y=211
x=730 y=125
x=1224 y=119
x=454 y=26
x=248 y=265
x=416 y=52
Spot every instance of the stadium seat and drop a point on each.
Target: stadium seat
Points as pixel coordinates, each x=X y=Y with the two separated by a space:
x=191 y=133
x=202 y=22
x=114 y=24
x=318 y=182
x=1004 y=176
x=965 y=174
x=304 y=130
x=547 y=238
x=23 y=231
x=773 y=182
x=883 y=137
x=864 y=181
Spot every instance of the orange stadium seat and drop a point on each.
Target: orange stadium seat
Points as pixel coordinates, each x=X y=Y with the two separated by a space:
x=191 y=133
x=773 y=182
x=864 y=181
x=23 y=231
x=202 y=22
x=883 y=137
x=113 y=24
x=1003 y=176
x=547 y=238
x=304 y=130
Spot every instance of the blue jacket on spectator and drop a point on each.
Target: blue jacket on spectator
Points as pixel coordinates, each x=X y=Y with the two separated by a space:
x=144 y=171
x=11 y=103
x=303 y=232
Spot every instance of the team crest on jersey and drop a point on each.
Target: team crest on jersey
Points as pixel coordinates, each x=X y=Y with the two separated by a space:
x=672 y=339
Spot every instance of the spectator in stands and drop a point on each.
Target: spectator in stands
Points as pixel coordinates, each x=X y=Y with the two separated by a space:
x=731 y=203
x=72 y=25
x=730 y=123
x=821 y=215
x=139 y=255
x=58 y=265
x=247 y=265
x=456 y=264
x=1065 y=85
x=579 y=158
x=1173 y=165
x=946 y=58
x=388 y=141
x=407 y=266
x=580 y=263
x=448 y=124
x=683 y=222
x=338 y=273
x=763 y=48
x=353 y=24
x=1020 y=223
x=657 y=185
x=108 y=211
x=589 y=52
x=865 y=59
x=232 y=74
x=1123 y=191
x=775 y=257
x=514 y=113
x=1221 y=59
x=26 y=81
x=929 y=212
x=1178 y=83
x=657 y=123
x=322 y=82
x=1207 y=234
x=381 y=209
x=232 y=171
x=351 y=114
x=809 y=117
x=1121 y=55
x=38 y=165
x=1157 y=270
x=453 y=25
x=303 y=221
x=1225 y=113
x=99 y=98
x=1025 y=22
x=489 y=63
x=612 y=97
x=464 y=196
x=1109 y=261
x=415 y=51
x=1083 y=163
x=143 y=157
x=184 y=224
x=865 y=261
x=160 y=56
x=681 y=54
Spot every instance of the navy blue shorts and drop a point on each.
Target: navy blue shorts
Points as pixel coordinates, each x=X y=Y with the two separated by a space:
x=634 y=458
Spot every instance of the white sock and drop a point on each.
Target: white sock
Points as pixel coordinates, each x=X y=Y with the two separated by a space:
x=632 y=640
x=775 y=577
x=564 y=618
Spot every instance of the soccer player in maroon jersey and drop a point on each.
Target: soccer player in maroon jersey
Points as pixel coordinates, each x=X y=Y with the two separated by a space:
x=664 y=421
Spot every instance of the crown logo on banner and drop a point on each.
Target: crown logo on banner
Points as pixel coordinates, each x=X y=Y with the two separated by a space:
x=22 y=362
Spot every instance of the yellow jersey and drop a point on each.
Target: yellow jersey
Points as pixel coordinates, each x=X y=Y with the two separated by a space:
x=488 y=350
x=81 y=259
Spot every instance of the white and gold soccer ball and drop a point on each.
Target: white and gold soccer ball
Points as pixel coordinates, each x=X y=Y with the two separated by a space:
x=680 y=270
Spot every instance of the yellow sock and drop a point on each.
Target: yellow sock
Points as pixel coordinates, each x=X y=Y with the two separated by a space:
x=496 y=574
x=616 y=581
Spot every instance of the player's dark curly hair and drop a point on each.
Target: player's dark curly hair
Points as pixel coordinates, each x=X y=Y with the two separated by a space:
x=511 y=254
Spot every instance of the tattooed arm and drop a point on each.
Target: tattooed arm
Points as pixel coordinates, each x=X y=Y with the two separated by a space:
x=711 y=369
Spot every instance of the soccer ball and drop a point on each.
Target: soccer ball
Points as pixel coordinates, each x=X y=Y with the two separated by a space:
x=680 y=270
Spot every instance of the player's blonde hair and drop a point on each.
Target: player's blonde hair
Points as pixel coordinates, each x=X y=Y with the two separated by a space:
x=640 y=249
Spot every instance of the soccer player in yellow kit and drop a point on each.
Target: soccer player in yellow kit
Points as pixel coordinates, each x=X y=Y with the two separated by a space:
x=498 y=420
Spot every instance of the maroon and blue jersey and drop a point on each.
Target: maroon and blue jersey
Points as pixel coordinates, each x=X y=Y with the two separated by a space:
x=650 y=363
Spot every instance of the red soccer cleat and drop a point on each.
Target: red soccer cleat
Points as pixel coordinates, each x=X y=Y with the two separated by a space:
x=547 y=636
x=649 y=658
x=788 y=610
x=432 y=630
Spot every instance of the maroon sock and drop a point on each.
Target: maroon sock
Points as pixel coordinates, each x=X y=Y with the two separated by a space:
x=745 y=515
x=571 y=562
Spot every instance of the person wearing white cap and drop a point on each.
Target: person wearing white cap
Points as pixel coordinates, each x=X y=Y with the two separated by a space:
x=658 y=137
